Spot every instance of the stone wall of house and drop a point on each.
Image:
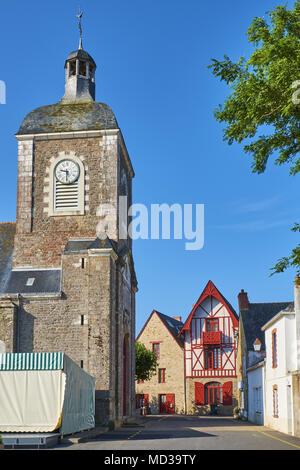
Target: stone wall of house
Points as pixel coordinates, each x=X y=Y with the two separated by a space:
x=171 y=359
x=223 y=410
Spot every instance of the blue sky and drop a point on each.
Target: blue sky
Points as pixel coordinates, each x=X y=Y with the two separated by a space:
x=152 y=59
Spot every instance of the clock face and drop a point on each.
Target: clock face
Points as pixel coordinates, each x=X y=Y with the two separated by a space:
x=67 y=171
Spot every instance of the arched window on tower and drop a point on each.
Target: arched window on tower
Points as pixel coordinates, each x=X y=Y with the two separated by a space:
x=67 y=175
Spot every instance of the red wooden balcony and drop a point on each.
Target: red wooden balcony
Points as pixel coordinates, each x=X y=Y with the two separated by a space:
x=212 y=337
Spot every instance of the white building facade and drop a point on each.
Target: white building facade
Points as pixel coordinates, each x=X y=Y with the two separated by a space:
x=282 y=369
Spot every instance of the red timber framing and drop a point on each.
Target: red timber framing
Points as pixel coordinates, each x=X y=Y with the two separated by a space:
x=210 y=347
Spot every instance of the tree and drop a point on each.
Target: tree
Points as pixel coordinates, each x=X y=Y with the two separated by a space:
x=264 y=98
x=145 y=362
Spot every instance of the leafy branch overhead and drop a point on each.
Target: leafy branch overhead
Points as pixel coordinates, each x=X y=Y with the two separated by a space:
x=262 y=91
x=260 y=110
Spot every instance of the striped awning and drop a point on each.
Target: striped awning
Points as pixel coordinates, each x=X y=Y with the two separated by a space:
x=31 y=361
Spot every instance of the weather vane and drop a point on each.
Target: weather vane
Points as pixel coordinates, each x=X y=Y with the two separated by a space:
x=79 y=16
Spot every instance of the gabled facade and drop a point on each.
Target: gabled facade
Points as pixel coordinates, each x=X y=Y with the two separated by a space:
x=210 y=349
x=164 y=392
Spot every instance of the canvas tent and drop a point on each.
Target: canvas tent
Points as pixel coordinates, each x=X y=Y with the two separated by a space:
x=45 y=392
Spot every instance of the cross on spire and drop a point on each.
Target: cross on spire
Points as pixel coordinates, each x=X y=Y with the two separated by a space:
x=79 y=16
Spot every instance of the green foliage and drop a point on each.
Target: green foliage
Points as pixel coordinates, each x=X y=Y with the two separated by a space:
x=260 y=110
x=145 y=362
x=292 y=261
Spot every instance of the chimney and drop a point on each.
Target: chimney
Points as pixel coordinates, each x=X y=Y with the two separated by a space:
x=177 y=318
x=243 y=300
x=297 y=316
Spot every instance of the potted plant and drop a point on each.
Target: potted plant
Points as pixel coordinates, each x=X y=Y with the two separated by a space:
x=1 y=443
x=236 y=412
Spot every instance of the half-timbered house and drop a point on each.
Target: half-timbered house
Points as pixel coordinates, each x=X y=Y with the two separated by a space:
x=210 y=349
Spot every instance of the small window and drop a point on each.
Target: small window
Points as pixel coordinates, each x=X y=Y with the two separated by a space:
x=82 y=263
x=156 y=349
x=82 y=319
x=30 y=281
x=161 y=376
x=274 y=348
x=81 y=364
x=72 y=68
x=212 y=324
x=212 y=358
x=82 y=68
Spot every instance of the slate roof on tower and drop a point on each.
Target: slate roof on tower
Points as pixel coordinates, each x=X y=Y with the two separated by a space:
x=69 y=117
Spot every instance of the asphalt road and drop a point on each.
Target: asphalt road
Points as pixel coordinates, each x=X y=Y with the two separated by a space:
x=174 y=432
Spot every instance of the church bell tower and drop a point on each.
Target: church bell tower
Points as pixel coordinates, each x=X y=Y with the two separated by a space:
x=71 y=276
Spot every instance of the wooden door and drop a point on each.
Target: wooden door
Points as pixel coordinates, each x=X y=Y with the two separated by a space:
x=170 y=403
x=162 y=404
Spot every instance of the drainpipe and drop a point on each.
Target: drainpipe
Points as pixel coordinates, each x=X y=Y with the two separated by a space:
x=297 y=316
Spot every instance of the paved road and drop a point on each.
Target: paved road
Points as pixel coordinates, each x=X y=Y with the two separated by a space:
x=190 y=433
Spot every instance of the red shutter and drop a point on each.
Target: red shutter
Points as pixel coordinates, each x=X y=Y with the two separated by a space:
x=227 y=393
x=199 y=394
x=137 y=400
x=146 y=398
x=170 y=403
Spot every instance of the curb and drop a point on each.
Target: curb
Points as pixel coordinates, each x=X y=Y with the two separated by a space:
x=84 y=436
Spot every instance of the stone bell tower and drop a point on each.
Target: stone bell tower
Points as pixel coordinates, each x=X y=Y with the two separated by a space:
x=69 y=283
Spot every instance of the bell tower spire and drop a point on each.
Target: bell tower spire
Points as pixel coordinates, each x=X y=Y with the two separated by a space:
x=79 y=16
x=80 y=73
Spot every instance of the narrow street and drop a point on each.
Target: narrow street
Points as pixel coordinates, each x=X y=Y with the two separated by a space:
x=174 y=432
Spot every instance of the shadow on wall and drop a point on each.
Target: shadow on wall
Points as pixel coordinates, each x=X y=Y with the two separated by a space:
x=25 y=328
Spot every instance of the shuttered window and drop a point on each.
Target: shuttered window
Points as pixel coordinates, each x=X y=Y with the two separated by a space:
x=66 y=196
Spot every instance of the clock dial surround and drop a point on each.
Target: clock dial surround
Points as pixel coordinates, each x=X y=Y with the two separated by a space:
x=67 y=171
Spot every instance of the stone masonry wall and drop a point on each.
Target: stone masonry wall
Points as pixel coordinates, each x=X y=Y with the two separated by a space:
x=171 y=358
x=204 y=409
x=43 y=246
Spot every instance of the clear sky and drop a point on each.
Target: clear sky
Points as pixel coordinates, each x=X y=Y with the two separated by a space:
x=152 y=59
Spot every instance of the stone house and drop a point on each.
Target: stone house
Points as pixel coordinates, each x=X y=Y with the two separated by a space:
x=67 y=279
x=164 y=392
x=282 y=368
x=252 y=351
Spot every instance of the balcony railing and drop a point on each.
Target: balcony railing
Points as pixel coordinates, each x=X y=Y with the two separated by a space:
x=212 y=337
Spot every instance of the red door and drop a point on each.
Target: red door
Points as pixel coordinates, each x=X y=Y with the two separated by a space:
x=170 y=399
x=162 y=404
x=167 y=403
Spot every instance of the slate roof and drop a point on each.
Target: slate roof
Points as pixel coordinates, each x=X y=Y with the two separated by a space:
x=257 y=315
x=84 y=245
x=174 y=327
x=80 y=54
x=69 y=117
x=41 y=281
x=7 y=236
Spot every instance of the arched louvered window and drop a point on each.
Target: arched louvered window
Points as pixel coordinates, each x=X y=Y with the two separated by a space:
x=67 y=175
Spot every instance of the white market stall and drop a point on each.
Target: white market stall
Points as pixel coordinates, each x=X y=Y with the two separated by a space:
x=45 y=392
